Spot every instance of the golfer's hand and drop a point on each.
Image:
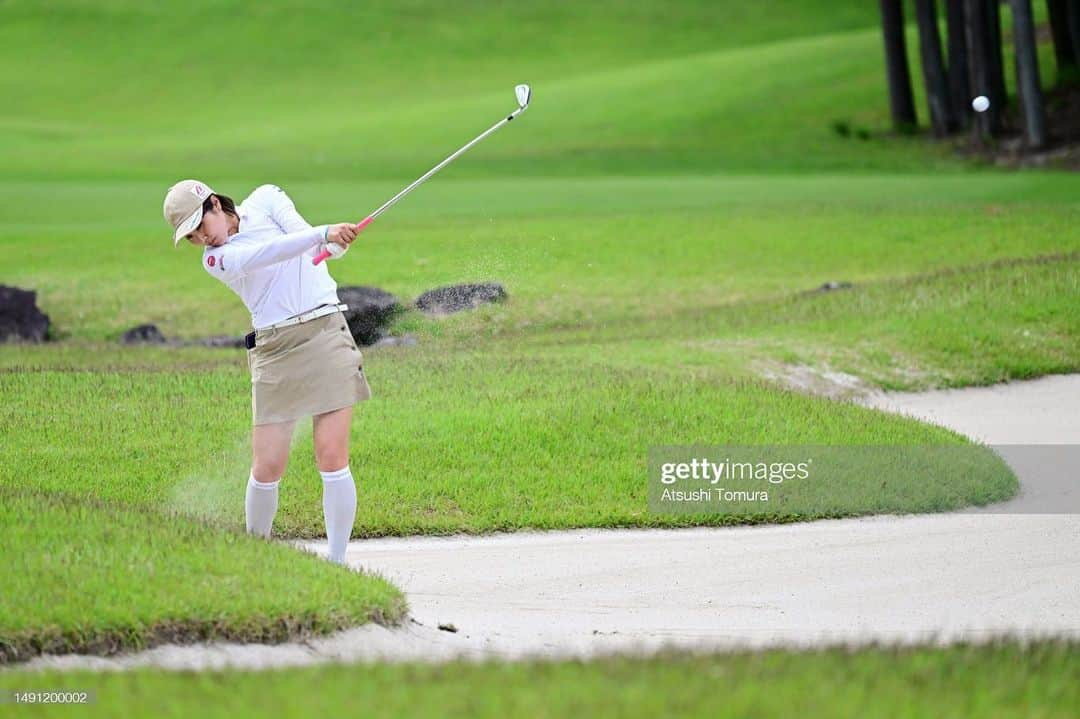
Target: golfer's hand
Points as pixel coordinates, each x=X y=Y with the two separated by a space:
x=342 y=234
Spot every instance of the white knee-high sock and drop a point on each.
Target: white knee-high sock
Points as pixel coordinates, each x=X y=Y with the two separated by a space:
x=339 y=511
x=260 y=506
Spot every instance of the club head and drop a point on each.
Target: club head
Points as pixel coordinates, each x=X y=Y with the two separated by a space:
x=524 y=94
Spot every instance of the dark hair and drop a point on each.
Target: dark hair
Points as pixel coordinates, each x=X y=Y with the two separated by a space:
x=227 y=205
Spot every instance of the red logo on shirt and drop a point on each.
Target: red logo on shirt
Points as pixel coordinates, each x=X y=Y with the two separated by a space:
x=210 y=260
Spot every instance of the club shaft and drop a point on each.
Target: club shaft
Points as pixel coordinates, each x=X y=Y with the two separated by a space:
x=389 y=203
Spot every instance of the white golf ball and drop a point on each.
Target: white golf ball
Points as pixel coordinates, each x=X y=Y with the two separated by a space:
x=981 y=103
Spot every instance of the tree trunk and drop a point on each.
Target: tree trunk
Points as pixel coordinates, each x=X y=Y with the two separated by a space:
x=1064 y=52
x=959 y=82
x=901 y=101
x=937 y=88
x=1074 y=28
x=979 y=61
x=1027 y=73
x=997 y=95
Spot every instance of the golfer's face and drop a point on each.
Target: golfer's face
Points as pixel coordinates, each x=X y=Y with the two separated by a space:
x=212 y=231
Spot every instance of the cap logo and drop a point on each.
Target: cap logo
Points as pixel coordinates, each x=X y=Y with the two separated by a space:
x=199 y=191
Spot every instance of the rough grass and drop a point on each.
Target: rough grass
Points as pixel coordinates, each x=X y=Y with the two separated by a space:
x=972 y=325
x=96 y=577
x=998 y=679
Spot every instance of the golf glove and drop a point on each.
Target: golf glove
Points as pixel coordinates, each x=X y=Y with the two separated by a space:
x=335 y=249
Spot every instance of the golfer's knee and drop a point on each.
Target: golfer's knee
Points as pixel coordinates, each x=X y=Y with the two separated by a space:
x=270 y=450
x=330 y=459
x=268 y=471
x=331 y=447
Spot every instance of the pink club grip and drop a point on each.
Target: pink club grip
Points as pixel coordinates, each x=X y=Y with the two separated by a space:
x=326 y=253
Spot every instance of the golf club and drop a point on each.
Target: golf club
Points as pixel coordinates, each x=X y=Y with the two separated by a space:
x=523 y=94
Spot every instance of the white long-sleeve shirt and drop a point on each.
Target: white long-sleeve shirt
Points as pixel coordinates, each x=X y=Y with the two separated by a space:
x=268 y=261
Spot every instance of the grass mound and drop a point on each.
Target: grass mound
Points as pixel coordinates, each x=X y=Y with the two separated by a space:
x=96 y=577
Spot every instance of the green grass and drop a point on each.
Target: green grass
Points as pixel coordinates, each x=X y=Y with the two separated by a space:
x=623 y=92
x=971 y=325
x=542 y=443
x=998 y=679
x=391 y=48
x=767 y=105
x=91 y=577
x=568 y=252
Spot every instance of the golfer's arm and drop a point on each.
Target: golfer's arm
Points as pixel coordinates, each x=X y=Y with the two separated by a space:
x=288 y=219
x=283 y=210
x=242 y=259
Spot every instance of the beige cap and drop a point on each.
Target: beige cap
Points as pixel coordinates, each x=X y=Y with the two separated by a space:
x=183 y=206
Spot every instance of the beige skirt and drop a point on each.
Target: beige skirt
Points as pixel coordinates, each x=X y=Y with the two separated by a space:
x=305 y=369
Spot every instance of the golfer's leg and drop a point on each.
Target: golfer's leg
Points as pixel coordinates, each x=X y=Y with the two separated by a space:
x=270 y=454
x=331 y=433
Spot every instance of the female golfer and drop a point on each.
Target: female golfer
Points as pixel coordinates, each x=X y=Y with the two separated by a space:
x=303 y=358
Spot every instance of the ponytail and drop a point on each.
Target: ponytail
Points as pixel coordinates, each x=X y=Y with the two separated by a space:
x=227 y=205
